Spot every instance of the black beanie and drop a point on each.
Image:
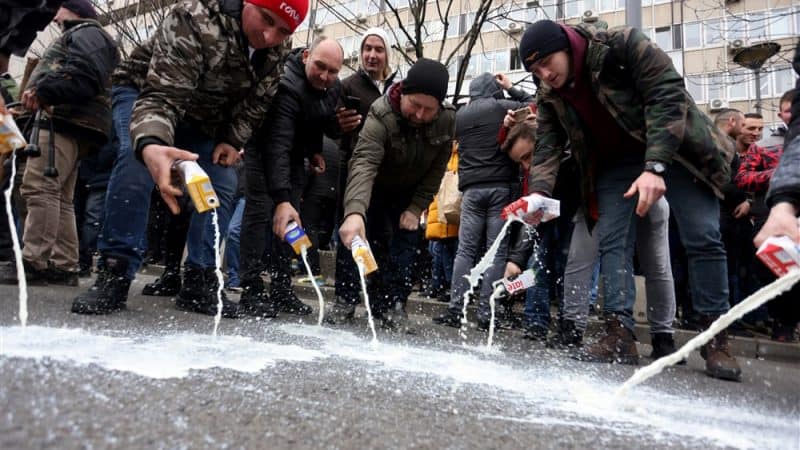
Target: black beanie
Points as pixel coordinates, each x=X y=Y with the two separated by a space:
x=541 y=38
x=83 y=8
x=427 y=77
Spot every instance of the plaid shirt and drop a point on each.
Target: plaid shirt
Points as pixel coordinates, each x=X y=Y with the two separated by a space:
x=757 y=167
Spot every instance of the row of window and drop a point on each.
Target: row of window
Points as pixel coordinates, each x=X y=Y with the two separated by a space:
x=739 y=84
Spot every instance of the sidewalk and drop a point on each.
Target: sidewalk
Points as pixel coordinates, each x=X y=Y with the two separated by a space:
x=763 y=348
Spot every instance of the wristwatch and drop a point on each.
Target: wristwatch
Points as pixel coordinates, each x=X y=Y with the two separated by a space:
x=656 y=167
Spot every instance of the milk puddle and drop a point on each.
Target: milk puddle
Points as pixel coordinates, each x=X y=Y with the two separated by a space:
x=171 y=356
x=555 y=393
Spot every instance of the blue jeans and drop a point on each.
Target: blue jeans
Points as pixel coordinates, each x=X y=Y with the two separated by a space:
x=93 y=212
x=696 y=211
x=232 y=244
x=128 y=197
x=443 y=252
x=480 y=223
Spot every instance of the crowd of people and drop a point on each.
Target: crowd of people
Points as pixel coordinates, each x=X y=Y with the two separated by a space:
x=648 y=184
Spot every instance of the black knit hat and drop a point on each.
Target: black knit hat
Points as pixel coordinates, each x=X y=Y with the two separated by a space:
x=83 y=8
x=427 y=77
x=541 y=38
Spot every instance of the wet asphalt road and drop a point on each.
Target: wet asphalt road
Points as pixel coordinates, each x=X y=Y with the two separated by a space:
x=328 y=388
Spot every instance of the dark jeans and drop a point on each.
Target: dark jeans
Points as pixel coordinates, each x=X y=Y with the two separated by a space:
x=89 y=211
x=549 y=259
x=256 y=220
x=443 y=252
x=480 y=223
x=394 y=251
x=318 y=215
x=696 y=212
x=280 y=261
x=129 y=188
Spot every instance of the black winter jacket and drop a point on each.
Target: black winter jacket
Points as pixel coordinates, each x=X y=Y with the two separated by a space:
x=359 y=85
x=785 y=183
x=481 y=162
x=295 y=124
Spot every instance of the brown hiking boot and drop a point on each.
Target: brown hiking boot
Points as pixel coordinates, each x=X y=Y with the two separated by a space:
x=615 y=346
x=719 y=362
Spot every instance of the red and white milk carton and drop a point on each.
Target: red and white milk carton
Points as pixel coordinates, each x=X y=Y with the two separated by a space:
x=780 y=254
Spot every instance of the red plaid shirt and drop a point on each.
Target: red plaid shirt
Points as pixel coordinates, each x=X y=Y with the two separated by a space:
x=757 y=167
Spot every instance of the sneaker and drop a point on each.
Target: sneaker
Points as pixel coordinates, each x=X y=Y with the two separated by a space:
x=61 y=277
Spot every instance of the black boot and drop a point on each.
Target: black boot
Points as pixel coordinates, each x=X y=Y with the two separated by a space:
x=449 y=318
x=254 y=300
x=167 y=285
x=396 y=319
x=663 y=345
x=199 y=294
x=340 y=313
x=566 y=337
x=110 y=290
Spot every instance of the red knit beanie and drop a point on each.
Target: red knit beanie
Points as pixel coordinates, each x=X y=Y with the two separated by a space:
x=293 y=12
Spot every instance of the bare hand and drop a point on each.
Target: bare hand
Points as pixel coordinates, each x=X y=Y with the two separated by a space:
x=504 y=81
x=349 y=119
x=159 y=160
x=511 y=270
x=318 y=163
x=352 y=226
x=409 y=221
x=284 y=213
x=742 y=209
x=29 y=100
x=650 y=188
x=225 y=155
x=782 y=221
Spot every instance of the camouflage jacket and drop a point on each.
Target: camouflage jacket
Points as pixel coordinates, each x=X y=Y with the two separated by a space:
x=74 y=77
x=398 y=159
x=197 y=68
x=636 y=82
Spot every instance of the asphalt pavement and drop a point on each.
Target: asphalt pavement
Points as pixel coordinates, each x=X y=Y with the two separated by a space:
x=155 y=377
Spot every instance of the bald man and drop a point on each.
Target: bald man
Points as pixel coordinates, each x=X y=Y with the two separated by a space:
x=303 y=110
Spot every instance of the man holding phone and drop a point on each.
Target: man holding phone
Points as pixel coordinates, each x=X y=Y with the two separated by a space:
x=373 y=78
x=488 y=179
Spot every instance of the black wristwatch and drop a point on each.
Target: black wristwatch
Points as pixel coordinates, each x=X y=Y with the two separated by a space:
x=656 y=167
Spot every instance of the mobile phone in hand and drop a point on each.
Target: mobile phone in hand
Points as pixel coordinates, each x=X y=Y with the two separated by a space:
x=351 y=102
x=521 y=114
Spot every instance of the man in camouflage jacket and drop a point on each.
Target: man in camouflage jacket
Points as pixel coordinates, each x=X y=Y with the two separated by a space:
x=617 y=99
x=202 y=82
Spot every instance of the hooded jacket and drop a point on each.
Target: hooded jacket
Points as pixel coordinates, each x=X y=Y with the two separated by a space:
x=482 y=163
x=296 y=121
x=197 y=68
x=636 y=82
x=785 y=182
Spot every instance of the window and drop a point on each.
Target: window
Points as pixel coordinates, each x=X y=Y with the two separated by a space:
x=513 y=56
x=758 y=26
x=677 y=36
x=620 y=4
x=501 y=61
x=737 y=85
x=784 y=80
x=780 y=24
x=694 y=84
x=736 y=28
x=453 y=68
x=766 y=85
x=473 y=67
x=713 y=32
x=548 y=9
x=348 y=45
x=716 y=83
x=607 y=5
x=664 y=38
x=573 y=8
x=452 y=26
x=677 y=60
x=692 y=38
x=433 y=31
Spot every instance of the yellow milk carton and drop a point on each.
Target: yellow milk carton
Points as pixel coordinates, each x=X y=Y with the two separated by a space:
x=198 y=185
x=296 y=237
x=363 y=254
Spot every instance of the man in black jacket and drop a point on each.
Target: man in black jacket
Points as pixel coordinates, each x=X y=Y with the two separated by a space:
x=488 y=179
x=72 y=83
x=303 y=109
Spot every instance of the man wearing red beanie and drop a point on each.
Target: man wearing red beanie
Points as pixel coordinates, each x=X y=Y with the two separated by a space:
x=194 y=91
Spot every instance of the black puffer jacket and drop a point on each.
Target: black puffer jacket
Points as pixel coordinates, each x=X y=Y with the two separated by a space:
x=295 y=124
x=481 y=162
